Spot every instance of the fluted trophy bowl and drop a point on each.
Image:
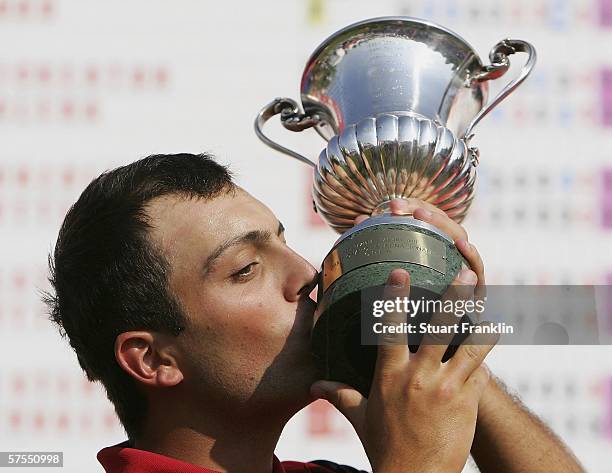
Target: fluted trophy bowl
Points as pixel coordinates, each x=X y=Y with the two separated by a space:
x=388 y=157
x=396 y=99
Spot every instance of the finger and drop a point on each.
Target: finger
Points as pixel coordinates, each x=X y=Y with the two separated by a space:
x=392 y=344
x=471 y=353
x=344 y=398
x=440 y=334
x=361 y=218
x=471 y=254
x=478 y=380
x=465 y=277
x=443 y=222
x=460 y=236
x=409 y=205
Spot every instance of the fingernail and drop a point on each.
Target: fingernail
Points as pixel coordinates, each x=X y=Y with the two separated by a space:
x=399 y=280
x=468 y=276
x=463 y=245
x=424 y=212
x=398 y=283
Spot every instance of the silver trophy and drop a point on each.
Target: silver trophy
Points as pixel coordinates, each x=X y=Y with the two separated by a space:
x=397 y=100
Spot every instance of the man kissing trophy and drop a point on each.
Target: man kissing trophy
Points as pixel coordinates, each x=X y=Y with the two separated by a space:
x=397 y=100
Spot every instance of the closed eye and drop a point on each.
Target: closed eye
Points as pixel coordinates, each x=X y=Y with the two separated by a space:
x=245 y=272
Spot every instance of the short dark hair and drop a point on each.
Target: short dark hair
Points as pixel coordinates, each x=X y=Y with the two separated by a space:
x=107 y=276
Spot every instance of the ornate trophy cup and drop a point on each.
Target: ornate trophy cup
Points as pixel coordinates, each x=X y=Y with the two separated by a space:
x=396 y=99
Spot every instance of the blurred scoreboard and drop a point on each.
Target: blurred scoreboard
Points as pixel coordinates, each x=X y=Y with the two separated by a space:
x=87 y=85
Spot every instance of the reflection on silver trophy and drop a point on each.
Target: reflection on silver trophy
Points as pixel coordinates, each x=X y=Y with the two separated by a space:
x=397 y=100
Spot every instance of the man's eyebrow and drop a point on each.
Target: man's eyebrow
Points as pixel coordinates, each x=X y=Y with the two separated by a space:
x=254 y=236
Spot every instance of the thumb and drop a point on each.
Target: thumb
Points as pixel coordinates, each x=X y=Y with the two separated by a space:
x=344 y=398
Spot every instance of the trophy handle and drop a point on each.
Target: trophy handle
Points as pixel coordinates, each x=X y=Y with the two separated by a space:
x=500 y=63
x=292 y=119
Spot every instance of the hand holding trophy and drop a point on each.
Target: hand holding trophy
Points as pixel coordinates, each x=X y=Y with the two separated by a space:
x=396 y=99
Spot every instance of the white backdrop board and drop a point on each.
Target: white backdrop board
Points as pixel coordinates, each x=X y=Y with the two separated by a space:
x=88 y=85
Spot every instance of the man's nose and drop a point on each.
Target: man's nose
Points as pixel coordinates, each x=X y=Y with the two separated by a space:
x=302 y=278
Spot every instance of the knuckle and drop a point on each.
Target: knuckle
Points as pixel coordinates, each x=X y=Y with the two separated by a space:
x=436 y=339
x=453 y=228
x=472 y=352
x=465 y=403
x=446 y=391
x=389 y=339
x=480 y=378
x=484 y=373
x=386 y=379
x=416 y=383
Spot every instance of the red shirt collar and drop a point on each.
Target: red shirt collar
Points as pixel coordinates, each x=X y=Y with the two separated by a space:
x=121 y=458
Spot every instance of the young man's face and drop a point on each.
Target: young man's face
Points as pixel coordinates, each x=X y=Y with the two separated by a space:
x=245 y=294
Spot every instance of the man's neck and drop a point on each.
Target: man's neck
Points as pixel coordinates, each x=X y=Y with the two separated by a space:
x=231 y=445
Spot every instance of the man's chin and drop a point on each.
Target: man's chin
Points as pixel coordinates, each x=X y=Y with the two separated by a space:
x=306 y=372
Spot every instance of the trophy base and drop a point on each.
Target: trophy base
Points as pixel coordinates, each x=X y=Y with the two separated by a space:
x=360 y=260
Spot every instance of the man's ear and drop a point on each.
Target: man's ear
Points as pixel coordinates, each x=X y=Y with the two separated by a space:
x=148 y=358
